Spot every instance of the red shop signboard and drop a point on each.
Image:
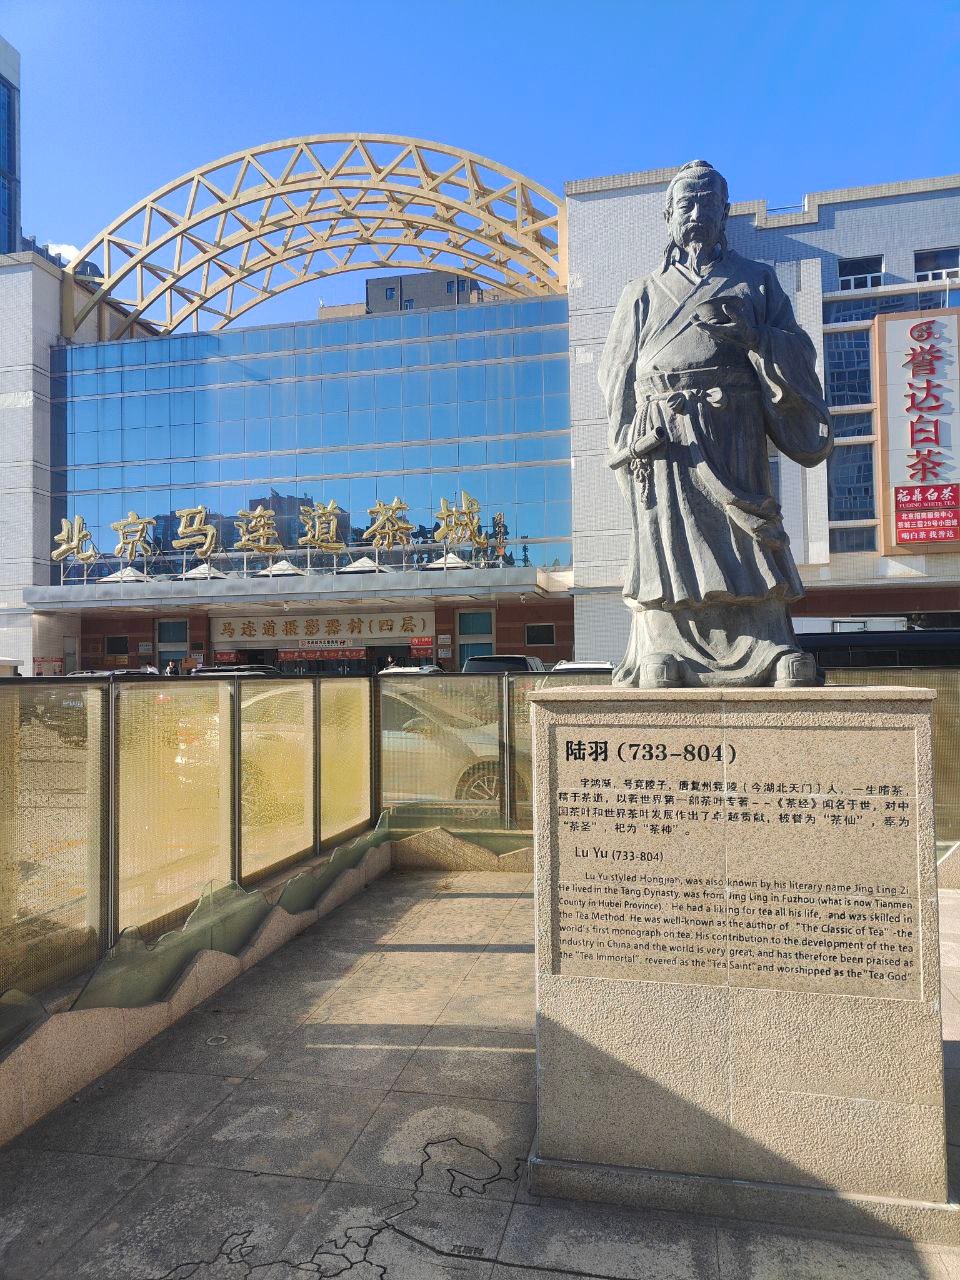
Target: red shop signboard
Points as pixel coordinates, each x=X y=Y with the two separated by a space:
x=313 y=655
x=927 y=513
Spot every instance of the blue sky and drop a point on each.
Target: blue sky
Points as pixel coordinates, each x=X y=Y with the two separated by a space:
x=119 y=98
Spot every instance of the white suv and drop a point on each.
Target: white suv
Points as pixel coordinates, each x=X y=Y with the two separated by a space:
x=502 y=662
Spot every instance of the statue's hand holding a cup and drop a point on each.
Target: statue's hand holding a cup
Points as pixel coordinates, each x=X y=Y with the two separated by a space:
x=726 y=319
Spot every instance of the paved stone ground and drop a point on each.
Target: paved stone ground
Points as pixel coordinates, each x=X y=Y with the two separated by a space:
x=360 y=1106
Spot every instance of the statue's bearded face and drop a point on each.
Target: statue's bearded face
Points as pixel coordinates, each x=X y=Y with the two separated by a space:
x=696 y=213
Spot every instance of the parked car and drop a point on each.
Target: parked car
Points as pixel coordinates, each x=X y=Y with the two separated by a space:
x=428 y=669
x=238 y=669
x=436 y=751
x=575 y=668
x=498 y=662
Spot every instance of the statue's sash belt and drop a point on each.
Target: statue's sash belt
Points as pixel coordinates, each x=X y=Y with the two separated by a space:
x=652 y=384
x=688 y=397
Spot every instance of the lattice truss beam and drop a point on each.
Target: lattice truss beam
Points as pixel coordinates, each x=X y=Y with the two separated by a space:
x=211 y=245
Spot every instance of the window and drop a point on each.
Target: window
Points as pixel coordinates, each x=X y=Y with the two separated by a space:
x=477 y=650
x=172 y=631
x=852 y=424
x=475 y=624
x=540 y=633
x=451 y=286
x=937 y=264
x=118 y=646
x=850 y=482
x=408 y=304
x=853 y=539
x=847 y=359
x=861 y=273
x=461 y=286
x=390 y=293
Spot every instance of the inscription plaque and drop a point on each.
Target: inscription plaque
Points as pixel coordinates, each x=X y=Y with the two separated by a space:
x=749 y=856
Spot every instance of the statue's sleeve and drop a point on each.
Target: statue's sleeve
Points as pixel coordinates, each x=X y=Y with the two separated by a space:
x=797 y=419
x=618 y=362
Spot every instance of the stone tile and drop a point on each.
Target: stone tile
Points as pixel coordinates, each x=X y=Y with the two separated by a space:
x=503 y=969
x=367 y=1231
x=130 y=1113
x=220 y=1222
x=606 y=1241
x=492 y=1009
x=517 y=927
x=295 y=1127
x=358 y=1055
x=769 y=1255
x=211 y=1041
x=457 y=920
x=308 y=959
x=287 y=997
x=396 y=968
x=473 y=1062
x=953 y=1170
x=949 y=1263
x=950 y=1014
x=423 y=983
x=49 y=1199
x=355 y=1006
x=441 y=1144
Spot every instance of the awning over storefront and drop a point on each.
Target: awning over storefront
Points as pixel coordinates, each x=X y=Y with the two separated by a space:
x=327 y=591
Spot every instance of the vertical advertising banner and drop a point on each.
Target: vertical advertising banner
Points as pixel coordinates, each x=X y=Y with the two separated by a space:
x=918 y=397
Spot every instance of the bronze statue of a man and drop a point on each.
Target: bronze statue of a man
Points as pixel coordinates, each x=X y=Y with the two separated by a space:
x=704 y=361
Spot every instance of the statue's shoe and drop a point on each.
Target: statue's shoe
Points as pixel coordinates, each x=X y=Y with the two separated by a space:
x=659 y=671
x=796 y=671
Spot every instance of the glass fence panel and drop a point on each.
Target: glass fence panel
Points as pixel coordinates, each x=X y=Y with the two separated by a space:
x=52 y=745
x=276 y=772
x=946 y=732
x=173 y=796
x=345 y=799
x=521 y=736
x=440 y=744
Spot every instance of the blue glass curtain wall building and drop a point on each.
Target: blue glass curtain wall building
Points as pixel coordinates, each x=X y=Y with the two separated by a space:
x=420 y=406
x=9 y=175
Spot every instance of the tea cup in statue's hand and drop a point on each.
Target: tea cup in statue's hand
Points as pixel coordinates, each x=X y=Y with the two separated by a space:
x=724 y=318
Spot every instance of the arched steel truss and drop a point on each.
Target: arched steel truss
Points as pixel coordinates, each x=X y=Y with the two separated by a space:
x=216 y=242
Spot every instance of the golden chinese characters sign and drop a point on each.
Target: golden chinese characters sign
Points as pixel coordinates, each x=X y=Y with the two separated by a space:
x=320 y=630
x=460 y=525
x=389 y=527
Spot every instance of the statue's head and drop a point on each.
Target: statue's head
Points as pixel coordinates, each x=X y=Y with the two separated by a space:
x=697 y=205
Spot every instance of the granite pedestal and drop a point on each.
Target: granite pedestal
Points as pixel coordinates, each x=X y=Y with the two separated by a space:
x=738 y=999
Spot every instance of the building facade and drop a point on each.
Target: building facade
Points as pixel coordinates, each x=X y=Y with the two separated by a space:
x=419 y=290
x=851 y=261
x=9 y=148
x=323 y=496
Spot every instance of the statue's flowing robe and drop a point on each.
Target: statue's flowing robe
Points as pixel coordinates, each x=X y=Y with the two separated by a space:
x=710 y=572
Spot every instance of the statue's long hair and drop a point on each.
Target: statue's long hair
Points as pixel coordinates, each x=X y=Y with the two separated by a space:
x=696 y=171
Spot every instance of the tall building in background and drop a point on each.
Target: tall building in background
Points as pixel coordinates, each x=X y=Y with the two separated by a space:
x=9 y=148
